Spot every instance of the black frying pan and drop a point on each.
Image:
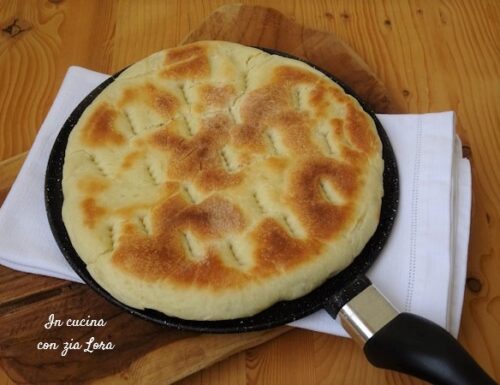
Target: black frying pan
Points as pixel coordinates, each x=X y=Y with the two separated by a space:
x=402 y=342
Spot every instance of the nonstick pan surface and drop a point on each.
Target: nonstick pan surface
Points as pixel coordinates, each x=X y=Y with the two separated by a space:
x=278 y=314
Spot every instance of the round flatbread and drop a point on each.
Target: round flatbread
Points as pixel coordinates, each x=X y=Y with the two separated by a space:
x=211 y=180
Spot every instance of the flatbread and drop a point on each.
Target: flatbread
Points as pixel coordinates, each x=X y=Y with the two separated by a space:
x=211 y=180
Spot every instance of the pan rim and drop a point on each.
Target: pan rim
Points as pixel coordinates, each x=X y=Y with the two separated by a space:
x=280 y=313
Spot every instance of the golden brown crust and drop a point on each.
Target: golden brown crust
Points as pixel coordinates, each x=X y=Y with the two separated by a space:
x=92 y=212
x=221 y=176
x=160 y=100
x=199 y=158
x=99 y=130
x=162 y=254
x=188 y=62
x=318 y=214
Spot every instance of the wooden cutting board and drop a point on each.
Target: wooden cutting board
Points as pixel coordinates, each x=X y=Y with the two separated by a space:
x=145 y=353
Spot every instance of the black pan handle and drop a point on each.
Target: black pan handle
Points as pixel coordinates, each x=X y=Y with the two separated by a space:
x=414 y=345
x=404 y=342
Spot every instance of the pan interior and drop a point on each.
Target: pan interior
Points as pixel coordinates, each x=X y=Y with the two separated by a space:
x=278 y=314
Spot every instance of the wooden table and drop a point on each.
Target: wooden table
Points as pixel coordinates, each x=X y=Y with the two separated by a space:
x=432 y=55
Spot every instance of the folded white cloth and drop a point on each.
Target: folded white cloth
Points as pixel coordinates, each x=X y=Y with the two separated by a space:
x=421 y=269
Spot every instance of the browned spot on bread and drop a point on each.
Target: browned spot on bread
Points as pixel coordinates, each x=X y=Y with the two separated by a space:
x=92 y=185
x=130 y=159
x=263 y=103
x=184 y=52
x=270 y=107
x=152 y=258
x=357 y=127
x=92 y=212
x=188 y=62
x=276 y=250
x=337 y=128
x=197 y=159
x=295 y=128
x=99 y=129
x=162 y=255
x=197 y=67
x=129 y=96
x=318 y=99
x=217 y=179
x=339 y=95
x=353 y=156
x=258 y=110
x=277 y=164
x=130 y=210
x=171 y=187
x=249 y=138
x=149 y=95
x=163 y=101
x=215 y=275
x=322 y=219
x=214 y=96
x=163 y=258
x=213 y=218
x=322 y=96
x=294 y=75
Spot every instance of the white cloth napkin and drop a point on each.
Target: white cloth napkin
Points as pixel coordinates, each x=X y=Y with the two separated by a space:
x=421 y=269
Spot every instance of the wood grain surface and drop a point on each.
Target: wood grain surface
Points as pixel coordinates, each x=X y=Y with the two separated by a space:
x=432 y=56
